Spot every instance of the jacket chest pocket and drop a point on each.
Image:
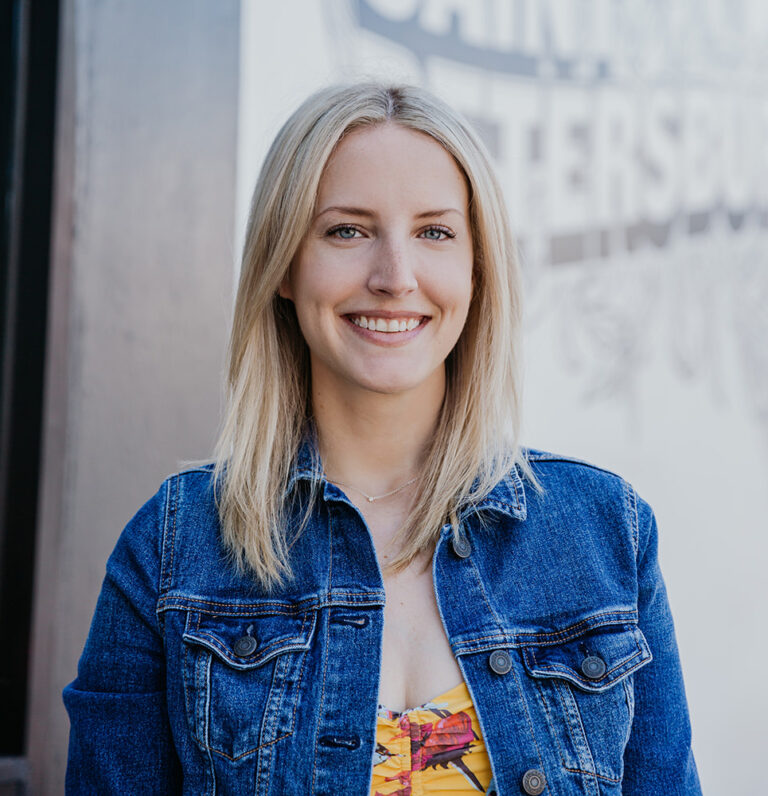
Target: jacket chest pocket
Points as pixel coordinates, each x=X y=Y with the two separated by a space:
x=585 y=688
x=242 y=676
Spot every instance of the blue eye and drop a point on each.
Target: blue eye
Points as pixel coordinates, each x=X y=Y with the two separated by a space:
x=437 y=233
x=344 y=231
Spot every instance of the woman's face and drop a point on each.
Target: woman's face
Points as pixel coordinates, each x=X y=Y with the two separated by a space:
x=383 y=279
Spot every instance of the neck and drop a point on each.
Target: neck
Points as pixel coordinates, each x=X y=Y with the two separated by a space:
x=372 y=441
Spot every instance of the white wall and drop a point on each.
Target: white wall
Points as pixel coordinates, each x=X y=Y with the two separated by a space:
x=631 y=142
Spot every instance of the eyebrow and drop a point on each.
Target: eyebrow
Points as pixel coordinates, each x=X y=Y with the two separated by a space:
x=361 y=211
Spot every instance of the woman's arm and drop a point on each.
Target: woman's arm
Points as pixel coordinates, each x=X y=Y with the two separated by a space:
x=658 y=758
x=120 y=740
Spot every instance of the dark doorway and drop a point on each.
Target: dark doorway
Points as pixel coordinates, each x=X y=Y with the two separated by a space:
x=28 y=77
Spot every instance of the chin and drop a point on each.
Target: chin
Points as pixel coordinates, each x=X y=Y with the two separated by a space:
x=393 y=384
x=388 y=387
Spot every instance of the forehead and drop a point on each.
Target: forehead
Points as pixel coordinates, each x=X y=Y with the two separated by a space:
x=391 y=160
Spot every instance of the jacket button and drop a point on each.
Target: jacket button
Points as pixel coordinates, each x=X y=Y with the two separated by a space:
x=500 y=661
x=534 y=782
x=245 y=646
x=593 y=667
x=461 y=547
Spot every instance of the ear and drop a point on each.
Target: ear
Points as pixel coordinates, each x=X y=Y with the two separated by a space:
x=285 y=291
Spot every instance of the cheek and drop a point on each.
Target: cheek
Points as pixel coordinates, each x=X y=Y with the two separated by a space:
x=461 y=286
x=315 y=301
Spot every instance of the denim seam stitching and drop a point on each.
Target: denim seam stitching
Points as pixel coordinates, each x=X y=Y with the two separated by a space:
x=325 y=648
x=562 y=688
x=528 y=717
x=592 y=774
x=298 y=688
x=159 y=618
x=500 y=635
x=208 y=723
x=187 y=696
x=574 y=631
x=632 y=500
x=274 y=710
x=168 y=574
x=252 y=750
x=273 y=607
x=552 y=723
x=163 y=552
x=626 y=683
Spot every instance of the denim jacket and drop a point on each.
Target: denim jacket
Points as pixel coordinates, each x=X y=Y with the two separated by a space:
x=194 y=681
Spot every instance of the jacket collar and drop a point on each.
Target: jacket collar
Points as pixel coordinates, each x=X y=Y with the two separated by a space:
x=508 y=496
x=306 y=465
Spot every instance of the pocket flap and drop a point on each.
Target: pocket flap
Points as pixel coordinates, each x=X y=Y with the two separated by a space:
x=592 y=661
x=245 y=642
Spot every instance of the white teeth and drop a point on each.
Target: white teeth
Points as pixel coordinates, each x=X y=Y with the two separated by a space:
x=384 y=325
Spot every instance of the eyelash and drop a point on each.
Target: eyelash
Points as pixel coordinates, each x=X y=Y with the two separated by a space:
x=447 y=232
x=444 y=230
x=338 y=228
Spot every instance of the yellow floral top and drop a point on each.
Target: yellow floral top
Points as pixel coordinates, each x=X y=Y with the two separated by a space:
x=434 y=748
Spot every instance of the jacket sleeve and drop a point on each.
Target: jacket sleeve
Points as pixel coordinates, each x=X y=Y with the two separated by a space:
x=658 y=758
x=120 y=740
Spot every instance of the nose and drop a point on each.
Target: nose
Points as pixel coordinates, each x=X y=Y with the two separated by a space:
x=392 y=272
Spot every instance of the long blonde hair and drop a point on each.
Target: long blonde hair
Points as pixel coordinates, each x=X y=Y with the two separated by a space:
x=269 y=406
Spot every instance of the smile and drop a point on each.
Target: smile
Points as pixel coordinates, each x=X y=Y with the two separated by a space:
x=386 y=324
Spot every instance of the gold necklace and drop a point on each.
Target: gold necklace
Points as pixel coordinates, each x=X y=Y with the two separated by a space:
x=373 y=498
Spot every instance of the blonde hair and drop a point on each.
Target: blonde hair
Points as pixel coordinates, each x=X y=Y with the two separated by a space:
x=269 y=404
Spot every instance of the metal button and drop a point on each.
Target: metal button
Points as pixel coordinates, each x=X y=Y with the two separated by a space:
x=461 y=547
x=593 y=667
x=245 y=646
x=500 y=661
x=534 y=782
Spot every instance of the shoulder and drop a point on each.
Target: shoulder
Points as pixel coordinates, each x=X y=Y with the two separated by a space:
x=195 y=476
x=544 y=461
x=556 y=471
x=190 y=513
x=188 y=488
x=575 y=487
x=150 y=535
x=191 y=487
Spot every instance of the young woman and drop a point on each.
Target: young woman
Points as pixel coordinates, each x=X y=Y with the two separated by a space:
x=374 y=590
